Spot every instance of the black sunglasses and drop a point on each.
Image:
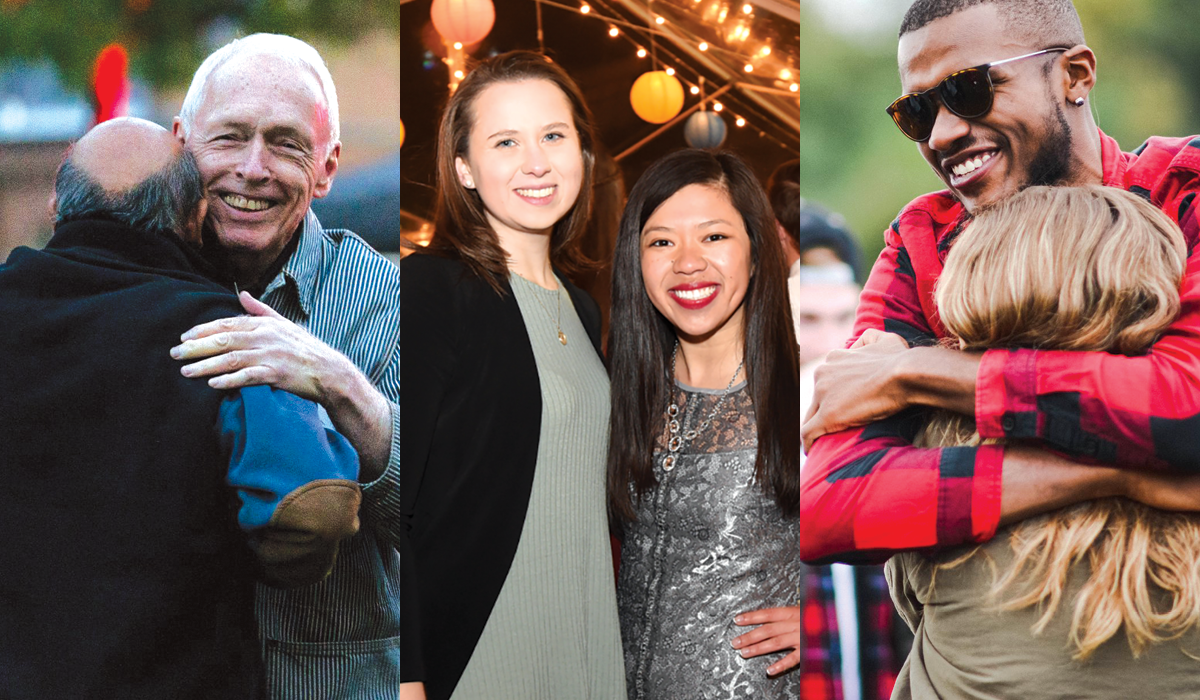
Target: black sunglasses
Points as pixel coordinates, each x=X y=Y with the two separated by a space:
x=967 y=93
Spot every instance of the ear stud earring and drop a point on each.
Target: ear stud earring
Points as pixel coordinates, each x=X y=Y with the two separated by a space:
x=1078 y=101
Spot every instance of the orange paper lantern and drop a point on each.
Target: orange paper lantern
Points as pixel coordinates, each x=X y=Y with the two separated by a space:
x=466 y=21
x=656 y=96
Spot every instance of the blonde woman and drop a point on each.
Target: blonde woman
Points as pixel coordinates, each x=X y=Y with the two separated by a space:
x=1101 y=599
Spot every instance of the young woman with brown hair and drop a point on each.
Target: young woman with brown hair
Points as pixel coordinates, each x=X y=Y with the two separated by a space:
x=1038 y=611
x=509 y=589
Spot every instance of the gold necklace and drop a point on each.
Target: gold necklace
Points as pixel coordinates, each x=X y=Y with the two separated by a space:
x=562 y=337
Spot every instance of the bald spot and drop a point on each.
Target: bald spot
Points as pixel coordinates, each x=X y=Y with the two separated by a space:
x=121 y=153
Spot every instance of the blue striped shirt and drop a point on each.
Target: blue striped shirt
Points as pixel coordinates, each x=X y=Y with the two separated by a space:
x=341 y=638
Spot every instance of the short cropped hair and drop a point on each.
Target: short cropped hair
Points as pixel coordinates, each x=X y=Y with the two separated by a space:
x=783 y=189
x=290 y=49
x=162 y=203
x=1045 y=23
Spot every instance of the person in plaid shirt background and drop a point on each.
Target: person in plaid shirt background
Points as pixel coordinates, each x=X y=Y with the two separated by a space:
x=1079 y=425
x=853 y=642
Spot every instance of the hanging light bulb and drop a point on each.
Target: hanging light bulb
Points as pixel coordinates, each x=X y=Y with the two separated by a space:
x=670 y=71
x=766 y=51
x=613 y=32
x=785 y=74
x=585 y=8
x=717 y=106
x=794 y=87
x=695 y=90
x=659 y=20
x=748 y=68
x=641 y=52
x=747 y=8
x=458 y=46
x=740 y=122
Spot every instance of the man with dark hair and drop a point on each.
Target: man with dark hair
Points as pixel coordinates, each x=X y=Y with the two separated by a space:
x=995 y=95
x=141 y=506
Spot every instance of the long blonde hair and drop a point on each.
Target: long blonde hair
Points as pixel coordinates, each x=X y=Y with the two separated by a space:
x=1078 y=268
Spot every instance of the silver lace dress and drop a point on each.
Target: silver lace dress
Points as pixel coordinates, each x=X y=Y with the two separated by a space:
x=708 y=544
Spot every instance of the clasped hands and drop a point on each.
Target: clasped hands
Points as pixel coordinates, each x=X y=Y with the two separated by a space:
x=856 y=386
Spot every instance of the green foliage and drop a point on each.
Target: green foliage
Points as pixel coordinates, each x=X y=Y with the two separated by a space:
x=853 y=159
x=167 y=39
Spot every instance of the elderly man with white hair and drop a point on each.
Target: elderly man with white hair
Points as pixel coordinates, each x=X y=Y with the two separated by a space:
x=261 y=119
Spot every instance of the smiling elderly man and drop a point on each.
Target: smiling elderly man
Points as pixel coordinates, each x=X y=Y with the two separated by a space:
x=261 y=118
x=995 y=97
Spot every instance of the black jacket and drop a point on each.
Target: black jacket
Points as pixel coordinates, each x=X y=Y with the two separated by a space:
x=125 y=574
x=470 y=418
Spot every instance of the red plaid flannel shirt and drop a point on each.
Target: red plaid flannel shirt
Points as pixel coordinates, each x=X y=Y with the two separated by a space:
x=868 y=493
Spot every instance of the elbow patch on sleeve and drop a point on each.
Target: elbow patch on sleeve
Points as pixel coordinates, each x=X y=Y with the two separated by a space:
x=282 y=447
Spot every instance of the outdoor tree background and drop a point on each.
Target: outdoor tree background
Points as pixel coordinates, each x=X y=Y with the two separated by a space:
x=854 y=161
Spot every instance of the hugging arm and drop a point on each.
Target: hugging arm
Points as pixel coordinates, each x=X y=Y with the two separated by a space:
x=295 y=480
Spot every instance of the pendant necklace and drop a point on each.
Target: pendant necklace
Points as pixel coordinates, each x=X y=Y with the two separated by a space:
x=562 y=337
x=676 y=440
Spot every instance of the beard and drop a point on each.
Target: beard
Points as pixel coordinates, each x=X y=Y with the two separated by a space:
x=1051 y=164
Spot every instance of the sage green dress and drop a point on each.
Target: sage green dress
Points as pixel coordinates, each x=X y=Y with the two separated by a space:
x=553 y=633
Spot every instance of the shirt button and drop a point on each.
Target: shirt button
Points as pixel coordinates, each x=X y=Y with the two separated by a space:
x=1008 y=423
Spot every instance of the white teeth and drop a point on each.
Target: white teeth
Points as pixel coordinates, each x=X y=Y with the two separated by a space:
x=536 y=194
x=239 y=202
x=970 y=165
x=695 y=294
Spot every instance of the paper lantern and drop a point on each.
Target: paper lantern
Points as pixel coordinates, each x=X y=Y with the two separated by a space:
x=466 y=21
x=704 y=130
x=401 y=143
x=656 y=96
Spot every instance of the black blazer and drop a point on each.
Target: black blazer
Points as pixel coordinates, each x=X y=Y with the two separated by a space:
x=471 y=408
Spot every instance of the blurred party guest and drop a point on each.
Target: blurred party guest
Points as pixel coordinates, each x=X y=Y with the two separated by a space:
x=140 y=505
x=1098 y=599
x=261 y=118
x=506 y=405
x=704 y=453
x=870 y=640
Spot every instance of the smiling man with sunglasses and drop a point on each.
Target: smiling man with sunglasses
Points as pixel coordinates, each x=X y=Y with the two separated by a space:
x=995 y=95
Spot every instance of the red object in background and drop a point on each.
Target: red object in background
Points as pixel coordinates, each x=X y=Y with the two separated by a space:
x=110 y=83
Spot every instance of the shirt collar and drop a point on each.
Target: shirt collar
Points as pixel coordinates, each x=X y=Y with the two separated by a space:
x=299 y=273
x=1113 y=162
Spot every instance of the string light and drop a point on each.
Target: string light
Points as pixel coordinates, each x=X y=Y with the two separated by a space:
x=458 y=74
x=739 y=33
x=458 y=46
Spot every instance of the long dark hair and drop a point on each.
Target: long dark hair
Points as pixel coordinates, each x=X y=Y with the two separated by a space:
x=641 y=339
x=462 y=229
